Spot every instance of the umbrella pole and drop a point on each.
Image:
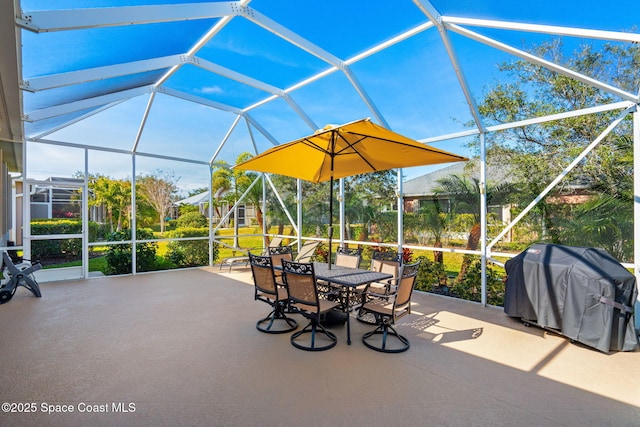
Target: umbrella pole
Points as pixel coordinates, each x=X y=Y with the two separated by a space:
x=330 y=219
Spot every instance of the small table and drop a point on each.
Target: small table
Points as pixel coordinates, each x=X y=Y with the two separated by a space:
x=349 y=278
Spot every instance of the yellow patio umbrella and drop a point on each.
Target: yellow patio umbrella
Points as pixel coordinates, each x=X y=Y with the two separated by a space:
x=338 y=151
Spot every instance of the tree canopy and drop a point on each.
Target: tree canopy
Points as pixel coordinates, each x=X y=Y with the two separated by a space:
x=538 y=153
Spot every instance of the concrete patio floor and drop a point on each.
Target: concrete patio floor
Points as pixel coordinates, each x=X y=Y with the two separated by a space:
x=181 y=348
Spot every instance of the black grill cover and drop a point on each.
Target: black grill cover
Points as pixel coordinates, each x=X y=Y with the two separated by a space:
x=584 y=293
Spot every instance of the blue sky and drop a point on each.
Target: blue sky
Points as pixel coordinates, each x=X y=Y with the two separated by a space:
x=412 y=83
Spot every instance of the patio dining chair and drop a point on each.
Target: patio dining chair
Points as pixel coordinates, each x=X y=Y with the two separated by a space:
x=267 y=290
x=277 y=254
x=386 y=311
x=384 y=262
x=307 y=251
x=304 y=297
x=345 y=257
x=348 y=257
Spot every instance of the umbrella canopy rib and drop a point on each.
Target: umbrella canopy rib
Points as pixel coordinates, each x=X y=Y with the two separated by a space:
x=392 y=141
x=355 y=150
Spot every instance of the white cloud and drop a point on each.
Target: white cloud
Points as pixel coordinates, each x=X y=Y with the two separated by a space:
x=211 y=89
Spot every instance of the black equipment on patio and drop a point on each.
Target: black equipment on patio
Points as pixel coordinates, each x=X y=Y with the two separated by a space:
x=582 y=293
x=15 y=275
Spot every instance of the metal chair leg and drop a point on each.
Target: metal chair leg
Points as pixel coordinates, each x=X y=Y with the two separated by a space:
x=314 y=328
x=386 y=331
x=276 y=317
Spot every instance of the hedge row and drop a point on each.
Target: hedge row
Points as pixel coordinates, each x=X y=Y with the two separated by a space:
x=71 y=248
x=119 y=256
x=190 y=253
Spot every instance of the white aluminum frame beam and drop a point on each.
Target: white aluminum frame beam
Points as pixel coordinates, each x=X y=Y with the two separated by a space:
x=250 y=81
x=282 y=204
x=545 y=29
x=75 y=120
x=74 y=19
x=365 y=97
x=260 y=128
x=562 y=174
x=382 y=46
x=432 y=13
x=117 y=151
x=288 y=35
x=253 y=140
x=300 y=42
x=434 y=16
x=204 y=39
x=51 y=81
x=559 y=116
x=389 y=43
x=234 y=75
x=224 y=140
x=544 y=63
x=143 y=122
x=235 y=206
x=198 y=100
x=95 y=102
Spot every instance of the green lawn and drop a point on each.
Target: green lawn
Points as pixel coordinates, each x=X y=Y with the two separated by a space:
x=452 y=261
x=95 y=264
x=245 y=242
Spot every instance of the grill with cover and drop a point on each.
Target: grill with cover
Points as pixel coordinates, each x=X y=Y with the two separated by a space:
x=583 y=293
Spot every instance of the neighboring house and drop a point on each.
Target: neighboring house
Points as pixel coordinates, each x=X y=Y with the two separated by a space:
x=60 y=197
x=424 y=186
x=55 y=197
x=245 y=213
x=200 y=200
x=420 y=191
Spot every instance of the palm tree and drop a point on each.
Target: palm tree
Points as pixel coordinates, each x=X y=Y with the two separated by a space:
x=606 y=219
x=234 y=183
x=242 y=182
x=435 y=221
x=464 y=195
x=220 y=184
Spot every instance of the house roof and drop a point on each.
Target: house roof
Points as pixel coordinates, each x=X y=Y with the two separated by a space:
x=194 y=200
x=426 y=184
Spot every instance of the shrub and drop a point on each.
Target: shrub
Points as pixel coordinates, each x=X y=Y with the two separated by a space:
x=321 y=254
x=431 y=275
x=98 y=231
x=119 y=256
x=56 y=226
x=190 y=253
x=70 y=248
x=386 y=223
x=191 y=220
x=315 y=230
x=470 y=286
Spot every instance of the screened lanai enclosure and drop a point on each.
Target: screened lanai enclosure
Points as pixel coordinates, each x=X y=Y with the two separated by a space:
x=112 y=111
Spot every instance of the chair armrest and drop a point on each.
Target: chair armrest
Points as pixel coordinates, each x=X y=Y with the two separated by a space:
x=369 y=294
